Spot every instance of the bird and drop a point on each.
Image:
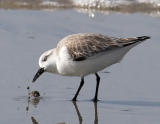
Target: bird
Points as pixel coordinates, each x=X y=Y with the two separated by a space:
x=83 y=54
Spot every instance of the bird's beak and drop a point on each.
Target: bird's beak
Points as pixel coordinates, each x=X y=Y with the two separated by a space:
x=39 y=72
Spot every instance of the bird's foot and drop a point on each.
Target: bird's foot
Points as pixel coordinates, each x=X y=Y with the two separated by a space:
x=95 y=100
x=74 y=99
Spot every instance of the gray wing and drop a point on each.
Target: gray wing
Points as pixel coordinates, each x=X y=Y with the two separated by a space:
x=82 y=46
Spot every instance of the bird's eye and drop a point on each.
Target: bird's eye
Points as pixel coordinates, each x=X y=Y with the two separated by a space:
x=45 y=58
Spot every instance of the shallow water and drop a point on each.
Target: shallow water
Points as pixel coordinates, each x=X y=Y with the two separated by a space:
x=128 y=94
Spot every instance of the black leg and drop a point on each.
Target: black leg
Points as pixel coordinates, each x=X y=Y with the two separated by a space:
x=95 y=99
x=80 y=86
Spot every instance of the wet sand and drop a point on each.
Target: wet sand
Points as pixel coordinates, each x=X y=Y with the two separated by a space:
x=128 y=94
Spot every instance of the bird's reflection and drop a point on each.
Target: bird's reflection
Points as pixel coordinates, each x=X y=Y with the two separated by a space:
x=78 y=112
x=80 y=116
x=95 y=113
x=35 y=102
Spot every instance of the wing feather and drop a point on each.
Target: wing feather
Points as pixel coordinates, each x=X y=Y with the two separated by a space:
x=82 y=46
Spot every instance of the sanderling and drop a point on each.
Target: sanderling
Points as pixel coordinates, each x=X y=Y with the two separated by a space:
x=83 y=54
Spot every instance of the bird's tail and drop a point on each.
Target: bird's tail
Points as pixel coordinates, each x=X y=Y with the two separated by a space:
x=142 y=38
x=136 y=40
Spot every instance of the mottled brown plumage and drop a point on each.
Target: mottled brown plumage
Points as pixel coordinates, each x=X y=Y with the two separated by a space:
x=81 y=46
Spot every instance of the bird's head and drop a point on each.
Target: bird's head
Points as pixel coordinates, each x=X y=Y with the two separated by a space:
x=46 y=63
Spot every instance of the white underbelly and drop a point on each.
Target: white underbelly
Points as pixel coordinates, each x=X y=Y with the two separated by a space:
x=92 y=64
